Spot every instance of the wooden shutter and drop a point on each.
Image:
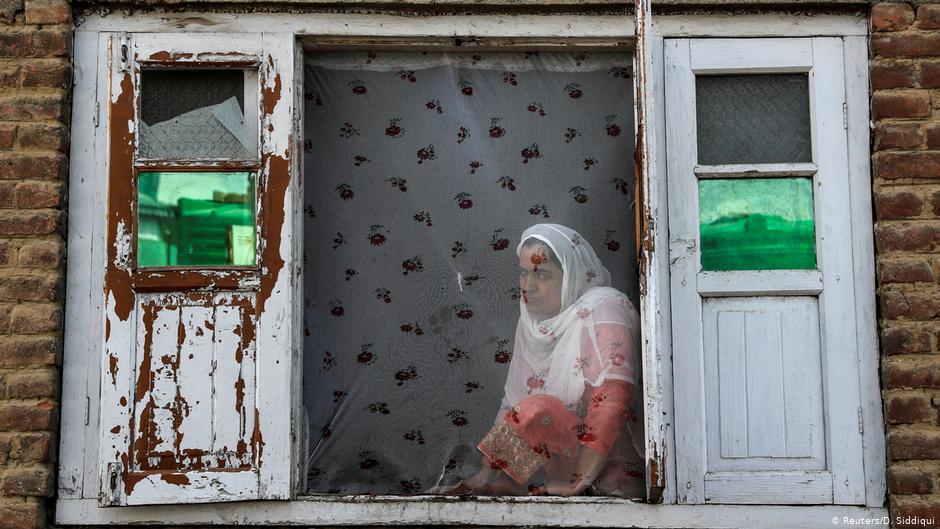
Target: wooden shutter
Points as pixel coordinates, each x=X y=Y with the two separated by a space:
x=766 y=370
x=196 y=376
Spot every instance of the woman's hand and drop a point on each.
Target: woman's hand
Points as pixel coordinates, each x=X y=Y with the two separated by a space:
x=559 y=488
x=478 y=483
x=590 y=464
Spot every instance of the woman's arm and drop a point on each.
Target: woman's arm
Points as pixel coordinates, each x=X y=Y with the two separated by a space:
x=607 y=406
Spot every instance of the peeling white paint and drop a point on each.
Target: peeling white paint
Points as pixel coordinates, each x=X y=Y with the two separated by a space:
x=123 y=246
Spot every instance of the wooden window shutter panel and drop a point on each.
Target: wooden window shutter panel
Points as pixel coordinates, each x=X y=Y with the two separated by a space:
x=197 y=367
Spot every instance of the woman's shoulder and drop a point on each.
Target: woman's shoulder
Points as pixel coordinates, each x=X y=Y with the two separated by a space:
x=612 y=305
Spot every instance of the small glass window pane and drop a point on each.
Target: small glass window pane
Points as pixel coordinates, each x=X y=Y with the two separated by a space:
x=753 y=119
x=189 y=218
x=195 y=114
x=757 y=224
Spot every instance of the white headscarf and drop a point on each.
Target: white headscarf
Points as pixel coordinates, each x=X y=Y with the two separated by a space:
x=558 y=355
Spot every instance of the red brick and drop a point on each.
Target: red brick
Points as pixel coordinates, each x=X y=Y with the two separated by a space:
x=10 y=75
x=891 y=17
x=6 y=440
x=898 y=136
x=7 y=135
x=906 y=45
x=892 y=75
x=16 y=44
x=25 y=223
x=51 y=43
x=18 y=166
x=17 y=351
x=907 y=104
x=928 y=16
x=908 y=409
x=35 y=481
x=913 y=444
x=907 y=271
x=930 y=74
x=6 y=194
x=892 y=205
x=47 y=74
x=8 y=11
x=42 y=254
x=906 y=237
x=893 y=165
x=7 y=254
x=33 y=108
x=36 y=195
x=38 y=447
x=919 y=305
x=47 y=12
x=32 y=384
x=43 y=136
x=933 y=136
x=5 y=311
x=905 y=340
x=22 y=513
x=27 y=417
x=914 y=512
x=912 y=372
x=908 y=479
x=36 y=317
x=935 y=203
x=31 y=288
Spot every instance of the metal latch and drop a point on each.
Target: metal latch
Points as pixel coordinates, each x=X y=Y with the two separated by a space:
x=111 y=493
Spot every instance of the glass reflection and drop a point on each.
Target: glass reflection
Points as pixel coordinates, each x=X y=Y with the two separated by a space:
x=195 y=219
x=757 y=224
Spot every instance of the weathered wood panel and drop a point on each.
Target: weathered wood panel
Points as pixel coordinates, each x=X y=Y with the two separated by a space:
x=194 y=406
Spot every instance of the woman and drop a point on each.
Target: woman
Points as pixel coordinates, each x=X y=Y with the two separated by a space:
x=568 y=419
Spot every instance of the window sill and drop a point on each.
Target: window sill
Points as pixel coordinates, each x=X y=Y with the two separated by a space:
x=424 y=510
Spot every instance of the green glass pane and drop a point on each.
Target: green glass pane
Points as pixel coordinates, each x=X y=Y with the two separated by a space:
x=195 y=219
x=757 y=224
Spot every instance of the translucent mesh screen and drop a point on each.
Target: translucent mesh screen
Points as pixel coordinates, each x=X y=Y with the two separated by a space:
x=753 y=119
x=194 y=114
x=421 y=173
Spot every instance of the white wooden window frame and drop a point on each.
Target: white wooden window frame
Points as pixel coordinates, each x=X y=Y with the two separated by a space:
x=78 y=503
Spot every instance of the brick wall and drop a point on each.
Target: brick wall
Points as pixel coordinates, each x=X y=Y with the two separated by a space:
x=35 y=77
x=905 y=78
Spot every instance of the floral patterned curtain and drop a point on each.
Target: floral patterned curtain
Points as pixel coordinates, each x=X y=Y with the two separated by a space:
x=421 y=170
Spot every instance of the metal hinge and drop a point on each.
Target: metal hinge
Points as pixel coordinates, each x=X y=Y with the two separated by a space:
x=861 y=422
x=845 y=116
x=87 y=410
x=94 y=118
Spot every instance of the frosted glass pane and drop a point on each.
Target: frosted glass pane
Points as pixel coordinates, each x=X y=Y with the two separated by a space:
x=753 y=119
x=195 y=114
x=757 y=224
x=188 y=218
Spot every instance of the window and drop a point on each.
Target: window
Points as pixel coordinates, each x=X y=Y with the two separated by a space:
x=422 y=170
x=184 y=382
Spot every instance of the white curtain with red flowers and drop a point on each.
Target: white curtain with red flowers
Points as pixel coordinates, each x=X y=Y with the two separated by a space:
x=420 y=172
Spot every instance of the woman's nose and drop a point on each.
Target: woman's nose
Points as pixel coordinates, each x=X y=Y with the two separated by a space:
x=528 y=284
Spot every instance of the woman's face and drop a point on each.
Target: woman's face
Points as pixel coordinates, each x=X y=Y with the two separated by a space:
x=540 y=280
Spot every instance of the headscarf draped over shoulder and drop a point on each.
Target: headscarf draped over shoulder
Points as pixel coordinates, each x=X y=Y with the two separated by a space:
x=558 y=355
